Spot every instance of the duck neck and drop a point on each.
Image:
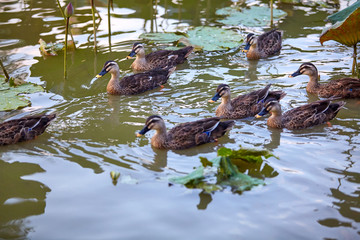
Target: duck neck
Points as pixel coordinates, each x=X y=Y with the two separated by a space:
x=225 y=106
x=159 y=138
x=253 y=53
x=313 y=83
x=274 y=120
x=140 y=61
x=114 y=83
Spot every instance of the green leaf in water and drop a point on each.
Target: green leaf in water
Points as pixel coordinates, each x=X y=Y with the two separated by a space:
x=222 y=172
x=205 y=38
x=250 y=17
x=11 y=97
x=343 y=14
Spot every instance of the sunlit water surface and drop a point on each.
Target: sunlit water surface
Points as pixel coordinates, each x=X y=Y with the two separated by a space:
x=58 y=186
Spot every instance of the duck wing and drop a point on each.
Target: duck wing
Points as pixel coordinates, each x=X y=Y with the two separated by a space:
x=344 y=88
x=141 y=82
x=191 y=134
x=310 y=114
x=269 y=43
x=24 y=129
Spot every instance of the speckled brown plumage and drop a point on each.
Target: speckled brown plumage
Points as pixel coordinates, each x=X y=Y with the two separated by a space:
x=23 y=129
x=263 y=46
x=185 y=135
x=158 y=59
x=136 y=83
x=301 y=117
x=339 y=88
x=243 y=106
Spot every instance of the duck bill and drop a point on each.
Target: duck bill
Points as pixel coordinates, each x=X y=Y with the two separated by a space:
x=246 y=48
x=262 y=113
x=143 y=131
x=102 y=73
x=297 y=73
x=215 y=98
x=131 y=55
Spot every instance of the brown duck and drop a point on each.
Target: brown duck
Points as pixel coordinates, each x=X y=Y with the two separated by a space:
x=338 y=88
x=23 y=129
x=136 y=83
x=158 y=59
x=243 y=106
x=263 y=46
x=185 y=135
x=301 y=117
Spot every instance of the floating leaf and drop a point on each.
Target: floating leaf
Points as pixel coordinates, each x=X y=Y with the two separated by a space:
x=221 y=173
x=250 y=17
x=51 y=49
x=11 y=95
x=343 y=14
x=207 y=38
x=346 y=32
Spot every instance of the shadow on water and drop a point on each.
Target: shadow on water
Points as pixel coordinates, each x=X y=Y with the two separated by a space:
x=23 y=199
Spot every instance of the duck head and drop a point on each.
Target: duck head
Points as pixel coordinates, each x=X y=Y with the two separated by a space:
x=110 y=66
x=153 y=122
x=137 y=49
x=223 y=90
x=306 y=69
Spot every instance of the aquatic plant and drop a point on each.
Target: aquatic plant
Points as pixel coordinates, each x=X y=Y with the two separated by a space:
x=345 y=29
x=110 y=6
x=93 y=10
x=221 y=172
x=5 y=72
x=69 y=11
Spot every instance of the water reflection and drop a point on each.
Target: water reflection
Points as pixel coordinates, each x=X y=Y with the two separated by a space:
x=19 y=198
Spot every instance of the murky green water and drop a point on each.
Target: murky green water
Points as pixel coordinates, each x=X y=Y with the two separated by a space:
x=58 y=186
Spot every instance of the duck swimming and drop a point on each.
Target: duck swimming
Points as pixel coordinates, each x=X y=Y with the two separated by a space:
x=136 y=83
x=263 y=46
x=185 y=135
x=338 y=88
x=158 y=59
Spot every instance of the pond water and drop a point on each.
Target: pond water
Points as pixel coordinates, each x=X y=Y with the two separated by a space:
x=58 y=186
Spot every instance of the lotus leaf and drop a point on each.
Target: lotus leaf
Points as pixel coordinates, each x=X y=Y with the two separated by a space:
x=205 y=38
x=250 y=17
x=11 y=95
x=346 y=32
x=220 y=172
x=343 y=14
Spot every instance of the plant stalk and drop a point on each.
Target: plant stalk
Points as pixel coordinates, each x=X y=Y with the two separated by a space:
x=109 y=23
x=63 y=15
x=354 y=66
x=271 y=13
x=93 y=16
x=65 y=50
x=7 y=78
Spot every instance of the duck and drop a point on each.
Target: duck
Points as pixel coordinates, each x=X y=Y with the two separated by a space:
x=185 y=135
x=305 y=116
x=136 y=83
x=243 y=106
x=24 y=129
x=158 y=59
x=263 y=46
x=337 y=88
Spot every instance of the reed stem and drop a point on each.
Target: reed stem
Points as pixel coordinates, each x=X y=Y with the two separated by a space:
x=7 y=78
x=65 y=50
x=94 y=25
x=63 y=15
x=109 y=23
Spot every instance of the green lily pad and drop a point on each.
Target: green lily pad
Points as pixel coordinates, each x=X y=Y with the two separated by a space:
x=250 y=17
x=343 y=14
x=11 y=96
x=221 y=172
x=346 y=32
x=205 y=38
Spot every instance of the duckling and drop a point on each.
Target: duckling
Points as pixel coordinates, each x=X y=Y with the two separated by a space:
x=338 y=88
x=23 y=129
x=134 y=84
x=158 y=59
x=301 y=117
x=243 y=106
x=185 y=135
x=263 y=46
